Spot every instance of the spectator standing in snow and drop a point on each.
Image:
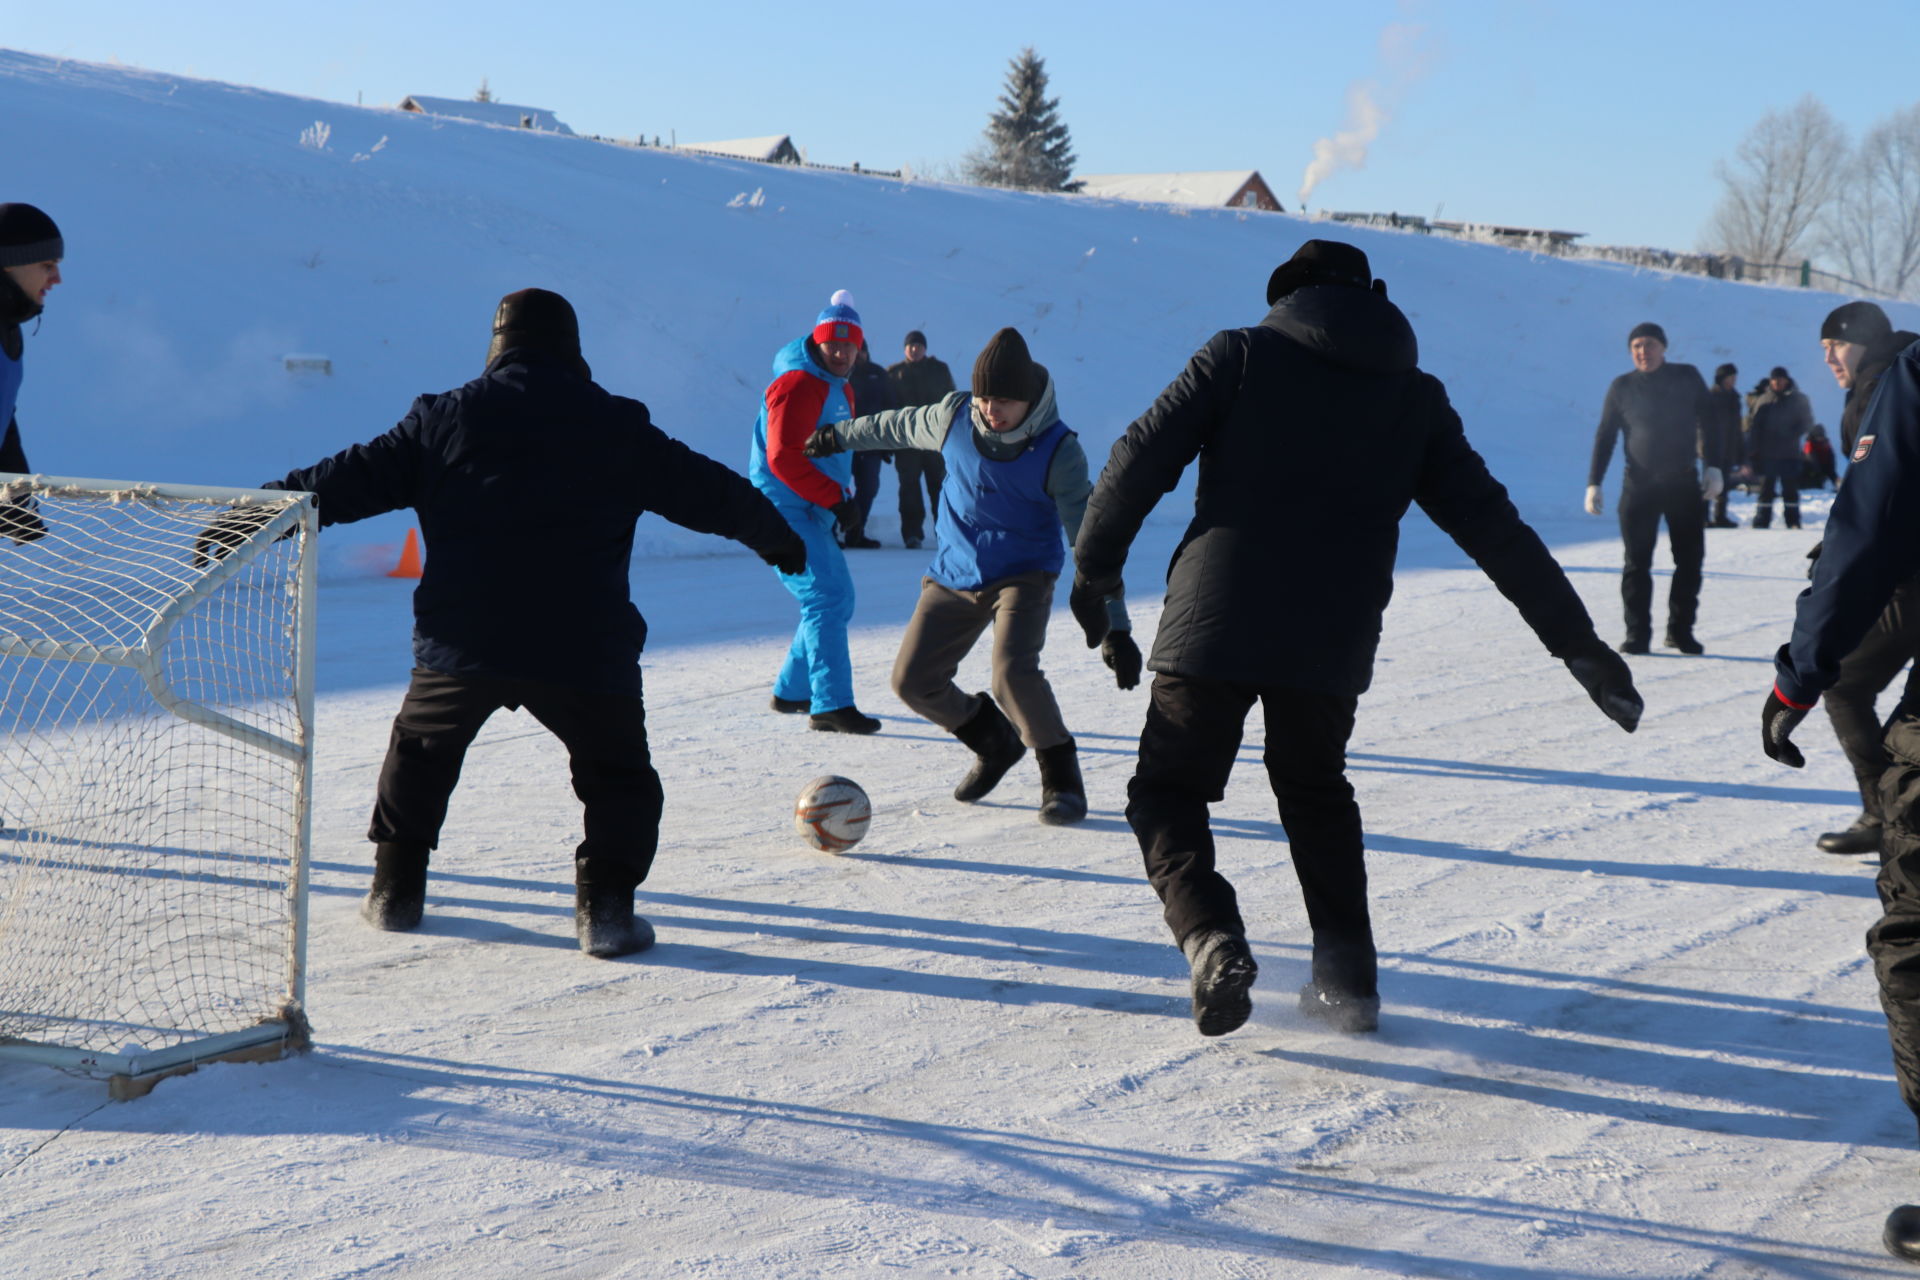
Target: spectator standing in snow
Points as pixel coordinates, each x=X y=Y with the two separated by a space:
x=1872 y=546
x=918 y=379
x=1820 y=469
x=809 y=389
x=1666 y=416
x=31 y=248
x=1280 y=602
x=872 y=393
x=1727 y=449
x=1859 y=345
x=1781 y=417
x=1015 y=477
x=493 y=469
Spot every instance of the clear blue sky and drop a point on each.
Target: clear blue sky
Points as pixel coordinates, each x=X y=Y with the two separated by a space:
x=1602 y=116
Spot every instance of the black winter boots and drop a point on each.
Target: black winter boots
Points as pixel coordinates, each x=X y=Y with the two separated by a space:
x=1223 y=974
x=1063 y=796
x=1681 y=638
x=1342 y=1012
x=1862 y=837
x=603 y=912
x=991 y=737
x=844 y=720
x=397 y=899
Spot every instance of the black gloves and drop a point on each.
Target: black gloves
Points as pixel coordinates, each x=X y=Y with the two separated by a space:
x=824 y=442
x=846 y=514
x=1088 y=600
x=1813 y=558
x=1122 y=657
x=790 y=557
x=217 y=541
x=1778 y=719
x=1608 y=680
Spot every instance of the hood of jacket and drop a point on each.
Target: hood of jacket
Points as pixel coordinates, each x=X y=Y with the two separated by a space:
x=799 y=356
x=1001 y=445
x=1354 y=328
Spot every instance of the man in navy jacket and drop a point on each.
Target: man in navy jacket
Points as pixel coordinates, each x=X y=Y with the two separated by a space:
x=1872 y=545
x=527 y=482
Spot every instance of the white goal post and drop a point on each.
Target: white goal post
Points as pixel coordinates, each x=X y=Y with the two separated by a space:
x=156 y=731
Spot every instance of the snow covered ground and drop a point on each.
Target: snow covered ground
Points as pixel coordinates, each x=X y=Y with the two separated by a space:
x=1629 y=1029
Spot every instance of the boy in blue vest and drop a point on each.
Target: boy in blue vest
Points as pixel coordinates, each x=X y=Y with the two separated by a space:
x=30 y=253
x=1016 y=477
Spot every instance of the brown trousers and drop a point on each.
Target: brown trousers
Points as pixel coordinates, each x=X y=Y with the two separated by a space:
x=942 y=631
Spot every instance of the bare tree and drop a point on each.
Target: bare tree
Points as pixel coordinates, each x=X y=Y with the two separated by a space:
x=1784 y=174
x=1026 y=143
x=1874 y=227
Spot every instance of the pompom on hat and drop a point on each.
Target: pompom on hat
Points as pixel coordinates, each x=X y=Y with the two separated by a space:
x=839 y=322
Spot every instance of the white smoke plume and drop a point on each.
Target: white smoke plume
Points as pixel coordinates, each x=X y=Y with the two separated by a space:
x=1405 y=57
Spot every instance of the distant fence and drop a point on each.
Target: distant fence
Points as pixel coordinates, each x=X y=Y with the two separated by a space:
x=1564 y=244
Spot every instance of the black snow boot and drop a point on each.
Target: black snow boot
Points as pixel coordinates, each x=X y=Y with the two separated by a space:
x=1063 y=796
x=1862 y=837
x=1223 y=974
x=397 y=899
x=1902 y=1233
x=991 y=737
x=1762 y=517
x=1792 y=516
x=844 y=720
x=603 y=914
x=1681 y=638
x=1635 y=644
x=1347 y=1013
x=790 y=706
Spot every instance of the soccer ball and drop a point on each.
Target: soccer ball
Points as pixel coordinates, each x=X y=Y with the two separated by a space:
x=831 y=813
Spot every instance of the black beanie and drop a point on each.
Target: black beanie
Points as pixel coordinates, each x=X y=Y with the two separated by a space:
x=28 y=236
x=1319 y=262
x=1860 y=322
x=538 y=319
x=1648 y=329
x=914 y=338
x=1006 y=371
x=1780 y=372
x=1724 y=372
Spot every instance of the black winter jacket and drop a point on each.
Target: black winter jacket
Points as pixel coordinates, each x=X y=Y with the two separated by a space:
x=1666 y=417
x=1780 y=422
x=923 y=381
x=1285 y=586
x=1866 y=379
x=527 y=482
x=1724 y=445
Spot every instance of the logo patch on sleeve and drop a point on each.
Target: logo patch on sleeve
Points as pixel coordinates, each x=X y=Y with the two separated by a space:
x=1862 y=447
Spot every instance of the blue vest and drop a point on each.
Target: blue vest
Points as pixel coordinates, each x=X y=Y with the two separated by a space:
x=12 y=373
x=996 y=519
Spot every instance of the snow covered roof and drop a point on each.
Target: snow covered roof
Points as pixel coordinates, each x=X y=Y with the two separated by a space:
x=775 y=147
x=1209 y=188
x=500 y=113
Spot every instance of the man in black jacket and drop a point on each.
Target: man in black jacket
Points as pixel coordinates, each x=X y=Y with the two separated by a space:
x=527 y=482
x=1860 y=344
x=1780 y=421
x=1663 y=410
x=918 y=379
x=1726 y=443
x=1332 y=363
x=31 y=248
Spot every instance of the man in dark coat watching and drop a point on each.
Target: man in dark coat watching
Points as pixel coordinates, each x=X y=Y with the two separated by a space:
x=1333 y=362
x=1727 y=447
x=1859 y=344
x=1872 y=545
x=918 y=379
x=1780 y=420
x=1663 y=410
x=527 y=482
x=31 y=248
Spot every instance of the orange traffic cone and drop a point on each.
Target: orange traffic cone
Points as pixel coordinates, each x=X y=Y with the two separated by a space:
x=409 y=566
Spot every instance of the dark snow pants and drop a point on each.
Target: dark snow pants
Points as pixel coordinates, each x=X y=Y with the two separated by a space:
x=1187 y=750
x=1643 y=504
x=1784 y=472
x=915 y=466
x=1869 y=669
x=866 y=485
x=606 y=739
x=1894 y=942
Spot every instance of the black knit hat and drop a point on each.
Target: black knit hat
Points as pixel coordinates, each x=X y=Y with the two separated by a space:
x=1779 y=371
x=1648 y=329
x=28 y=236
x=1005 y=371
x=1860 y=322
x=540 y=320
x=1319 y=262
x=1724 y=372
x=914 y=338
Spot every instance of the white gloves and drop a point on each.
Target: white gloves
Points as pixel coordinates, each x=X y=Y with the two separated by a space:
x=1713 y=484
x=1593 y=499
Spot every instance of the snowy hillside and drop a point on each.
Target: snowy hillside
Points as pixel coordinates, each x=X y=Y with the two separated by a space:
x=1628 y=1029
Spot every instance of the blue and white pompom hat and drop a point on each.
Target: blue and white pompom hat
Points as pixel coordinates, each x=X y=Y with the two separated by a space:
x=839 y=322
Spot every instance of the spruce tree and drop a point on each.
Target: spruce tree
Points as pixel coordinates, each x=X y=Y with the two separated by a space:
x=1025 y=145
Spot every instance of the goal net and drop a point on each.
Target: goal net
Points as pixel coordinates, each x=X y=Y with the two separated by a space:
x=156 y=718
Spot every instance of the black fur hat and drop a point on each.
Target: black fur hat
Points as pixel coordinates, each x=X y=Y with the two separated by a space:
x=1320 y=262
x=540 y=320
